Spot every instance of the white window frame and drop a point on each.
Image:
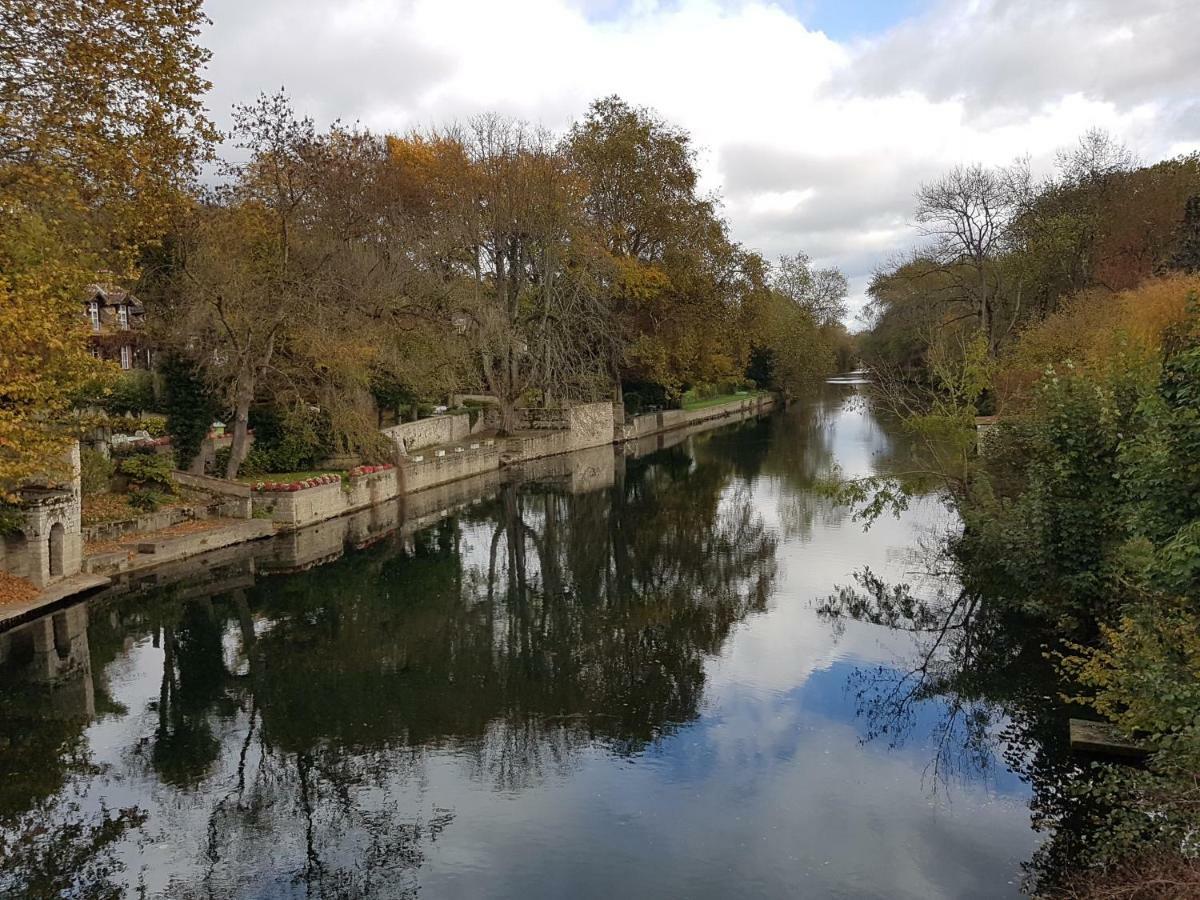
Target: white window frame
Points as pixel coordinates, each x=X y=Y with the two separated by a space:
x=94 y=314
x=126 y=356
x=122 y=316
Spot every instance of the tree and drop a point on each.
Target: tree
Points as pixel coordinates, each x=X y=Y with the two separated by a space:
x=101 y=130
x=534 y=310
x=821 y=292
x=966 y=214
x=674 y=270
x=1185 y=255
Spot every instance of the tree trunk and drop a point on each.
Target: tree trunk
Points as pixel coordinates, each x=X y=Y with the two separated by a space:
x=241 y=431
x=508 y=415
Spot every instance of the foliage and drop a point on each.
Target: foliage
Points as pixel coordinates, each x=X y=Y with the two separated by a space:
x=189 y=404
x=131 y=392
x=101 y=128
x=95 y=471
x=144 y=500
x=149 y=471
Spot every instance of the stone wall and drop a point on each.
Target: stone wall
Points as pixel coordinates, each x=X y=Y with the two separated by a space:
x=554 y=431
x=668 y=419
x=234 y=508
x=412 y=436
x=212 y=484
x=296 y=509
x=421 y=471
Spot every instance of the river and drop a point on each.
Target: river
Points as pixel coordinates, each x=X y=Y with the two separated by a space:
x=610 y=678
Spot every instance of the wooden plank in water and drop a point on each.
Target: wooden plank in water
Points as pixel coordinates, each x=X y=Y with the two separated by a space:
x=1100 y=737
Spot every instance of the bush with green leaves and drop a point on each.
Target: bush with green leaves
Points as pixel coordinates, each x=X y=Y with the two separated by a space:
x=132 y=392
x=147 y=500
x=149 y=471
x=95 y=471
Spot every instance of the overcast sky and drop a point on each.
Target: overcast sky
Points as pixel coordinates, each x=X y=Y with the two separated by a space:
x=816 y=119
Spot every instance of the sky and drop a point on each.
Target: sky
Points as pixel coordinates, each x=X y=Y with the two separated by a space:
x=815 y=120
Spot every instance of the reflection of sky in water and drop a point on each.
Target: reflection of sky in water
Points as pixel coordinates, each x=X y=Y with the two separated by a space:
x=772 y=791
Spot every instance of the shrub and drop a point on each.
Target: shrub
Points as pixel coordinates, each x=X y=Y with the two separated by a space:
x=95 y=471
x=149 y=472
x=189 y=405
x=146 y=500
x=132 y=392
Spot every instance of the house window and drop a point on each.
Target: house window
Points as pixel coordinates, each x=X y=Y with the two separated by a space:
x=94 y=315
x=126 y=356
x=95 y=351
x=123 y=317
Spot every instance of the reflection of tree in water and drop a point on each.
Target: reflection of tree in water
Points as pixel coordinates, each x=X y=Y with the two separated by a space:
x=51 y=844
x=984 y=678
x=295 y=717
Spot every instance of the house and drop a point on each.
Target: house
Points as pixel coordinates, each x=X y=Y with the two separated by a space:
x=117 y=321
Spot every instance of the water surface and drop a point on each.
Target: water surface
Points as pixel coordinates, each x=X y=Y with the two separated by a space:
x=606 y=679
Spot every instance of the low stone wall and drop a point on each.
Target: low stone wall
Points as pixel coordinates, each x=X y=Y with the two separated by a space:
x=296 y=509
x=554 y=431
x=668 y=419
x=413 y=436
x=111 y=531
x=212 y=485
x=445 y=464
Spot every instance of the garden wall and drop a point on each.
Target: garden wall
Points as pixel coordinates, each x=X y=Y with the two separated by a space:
x=667 y=419
x=411 y=436
x=157 y=521
x=296 y=509
x=549 y=432
x=425 y=470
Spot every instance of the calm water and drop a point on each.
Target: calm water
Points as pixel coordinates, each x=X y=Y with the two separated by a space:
x=607 y=680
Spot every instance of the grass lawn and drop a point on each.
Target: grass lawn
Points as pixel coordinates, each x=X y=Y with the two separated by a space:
x=288 y=477
x=718 y=400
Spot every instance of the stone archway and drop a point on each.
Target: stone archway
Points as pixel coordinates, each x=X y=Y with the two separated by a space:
x=58 y=540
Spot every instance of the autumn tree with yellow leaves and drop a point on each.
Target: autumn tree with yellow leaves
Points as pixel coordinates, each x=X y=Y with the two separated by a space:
x=101 y=133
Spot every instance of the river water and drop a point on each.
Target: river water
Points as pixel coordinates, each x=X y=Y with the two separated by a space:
x=608 y=679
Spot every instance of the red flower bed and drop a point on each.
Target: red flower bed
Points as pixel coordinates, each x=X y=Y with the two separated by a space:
x=288 y=486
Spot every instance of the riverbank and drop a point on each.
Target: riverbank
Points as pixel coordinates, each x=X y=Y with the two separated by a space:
x=241 y=514
x=645 y=652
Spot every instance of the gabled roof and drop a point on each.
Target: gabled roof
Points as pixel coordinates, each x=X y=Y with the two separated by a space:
x=107 y=295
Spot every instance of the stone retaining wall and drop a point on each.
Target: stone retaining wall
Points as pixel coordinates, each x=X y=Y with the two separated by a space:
x=668 y=419
x=296 y=509
x=433 y=467
x=555 y=431
x=212 y=485
x=413 y=436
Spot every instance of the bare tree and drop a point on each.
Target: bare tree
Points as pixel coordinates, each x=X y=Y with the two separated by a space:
x=966 y=214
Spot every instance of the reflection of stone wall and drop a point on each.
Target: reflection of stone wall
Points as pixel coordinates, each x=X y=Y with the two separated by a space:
x=578 y=473
x=53 y=653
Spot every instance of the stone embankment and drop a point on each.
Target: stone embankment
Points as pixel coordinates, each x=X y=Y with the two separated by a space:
x=430 y=453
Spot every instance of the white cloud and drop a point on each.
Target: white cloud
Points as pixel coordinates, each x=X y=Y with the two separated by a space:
x=814 y=145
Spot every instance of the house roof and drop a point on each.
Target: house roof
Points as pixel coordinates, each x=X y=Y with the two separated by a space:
x=107 y=295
